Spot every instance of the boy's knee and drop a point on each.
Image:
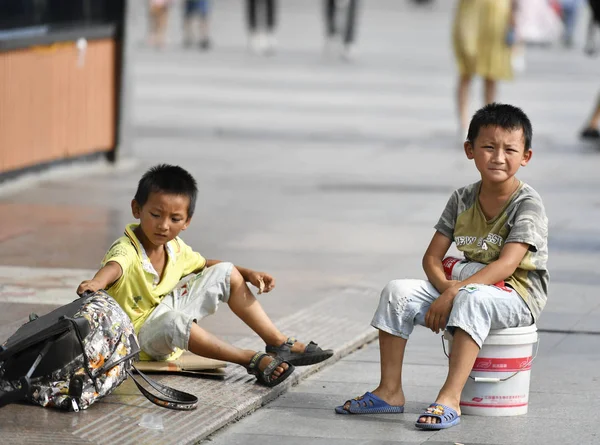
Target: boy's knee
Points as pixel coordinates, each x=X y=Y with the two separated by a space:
x=159 y=337
x=397 y=294
x=235 y=277
x=224 y=266
x=396 y=289
x=397 y=308
x=227 y=269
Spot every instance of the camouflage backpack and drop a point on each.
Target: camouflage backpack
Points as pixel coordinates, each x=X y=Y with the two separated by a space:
x=75 y=355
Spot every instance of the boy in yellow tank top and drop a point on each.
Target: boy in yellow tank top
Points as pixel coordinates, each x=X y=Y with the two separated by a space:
x=143 y=272
x=500 y=224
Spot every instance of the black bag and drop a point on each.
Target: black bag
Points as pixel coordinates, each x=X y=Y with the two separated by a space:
x=74 y=356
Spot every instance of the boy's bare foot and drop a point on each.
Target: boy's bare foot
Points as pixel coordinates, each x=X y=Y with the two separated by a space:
x=298 y=347
x=393 y=398
x=442 y=400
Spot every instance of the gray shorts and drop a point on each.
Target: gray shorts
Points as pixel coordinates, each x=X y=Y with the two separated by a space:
x=477 y=309
x=168 y=326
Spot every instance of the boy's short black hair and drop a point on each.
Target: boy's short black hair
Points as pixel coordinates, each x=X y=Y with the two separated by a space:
x=167 y=178
x=504 y=116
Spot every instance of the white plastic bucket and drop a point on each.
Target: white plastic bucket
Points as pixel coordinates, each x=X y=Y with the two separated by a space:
x=499 y=382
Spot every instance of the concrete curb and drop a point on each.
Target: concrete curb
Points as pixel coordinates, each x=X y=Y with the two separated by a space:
x=299 y=375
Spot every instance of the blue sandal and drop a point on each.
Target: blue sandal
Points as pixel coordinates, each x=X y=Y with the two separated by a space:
x=368 y=403
x=448 y=417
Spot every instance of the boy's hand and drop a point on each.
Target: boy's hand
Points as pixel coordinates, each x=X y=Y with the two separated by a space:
x=91 y=285
x=439 y=311
x=262 y=280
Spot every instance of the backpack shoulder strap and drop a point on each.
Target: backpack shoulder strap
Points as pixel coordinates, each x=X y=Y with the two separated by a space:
x=170 y=398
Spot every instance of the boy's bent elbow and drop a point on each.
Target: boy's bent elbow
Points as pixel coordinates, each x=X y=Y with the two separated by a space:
x=511 y=256
x=507 y=267
x=109 y=274
x=427 y=261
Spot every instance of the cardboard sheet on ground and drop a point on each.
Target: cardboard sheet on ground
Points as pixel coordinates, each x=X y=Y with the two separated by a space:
x=188 y=364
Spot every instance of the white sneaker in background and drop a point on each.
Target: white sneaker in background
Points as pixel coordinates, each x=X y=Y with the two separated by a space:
x=331 y=47
x=518 y=59
x=252 y=41
x=256 y=43
x=270 y=44
x=348 y=52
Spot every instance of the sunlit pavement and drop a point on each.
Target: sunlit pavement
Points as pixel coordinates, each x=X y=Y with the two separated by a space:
x=330 y=175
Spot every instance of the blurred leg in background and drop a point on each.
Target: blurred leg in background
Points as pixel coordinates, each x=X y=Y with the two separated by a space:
x=481 y=48
x=569 y=17
x=590 y=44
x=271 y=16
x=196 y=17
x=330 y=26
x=254 y=40
x=340 y=25
x=349 y=33
x=262 y=22
x=158 y=18
x=462 y=93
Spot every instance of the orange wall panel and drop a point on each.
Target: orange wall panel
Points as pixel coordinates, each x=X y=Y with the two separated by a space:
x=53 y=107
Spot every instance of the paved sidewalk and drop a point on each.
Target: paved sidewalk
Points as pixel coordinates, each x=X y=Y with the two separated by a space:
x=560 y=398
x=330 y=176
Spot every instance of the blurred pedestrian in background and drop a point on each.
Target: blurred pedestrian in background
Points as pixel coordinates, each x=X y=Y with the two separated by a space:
x=482 y=46
x=262 y=20
x=196 y=17
x=569 y=9
x=340 y=25
x=590 y=44
x=537 y=22
x=158 y=18
x=590 y=132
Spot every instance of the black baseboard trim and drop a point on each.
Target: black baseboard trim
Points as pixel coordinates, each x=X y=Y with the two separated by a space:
x=64 y=162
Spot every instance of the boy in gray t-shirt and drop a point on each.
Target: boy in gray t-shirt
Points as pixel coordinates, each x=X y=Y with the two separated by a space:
x=499 y=222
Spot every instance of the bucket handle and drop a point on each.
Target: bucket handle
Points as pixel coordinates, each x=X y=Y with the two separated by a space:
x=496 y=379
